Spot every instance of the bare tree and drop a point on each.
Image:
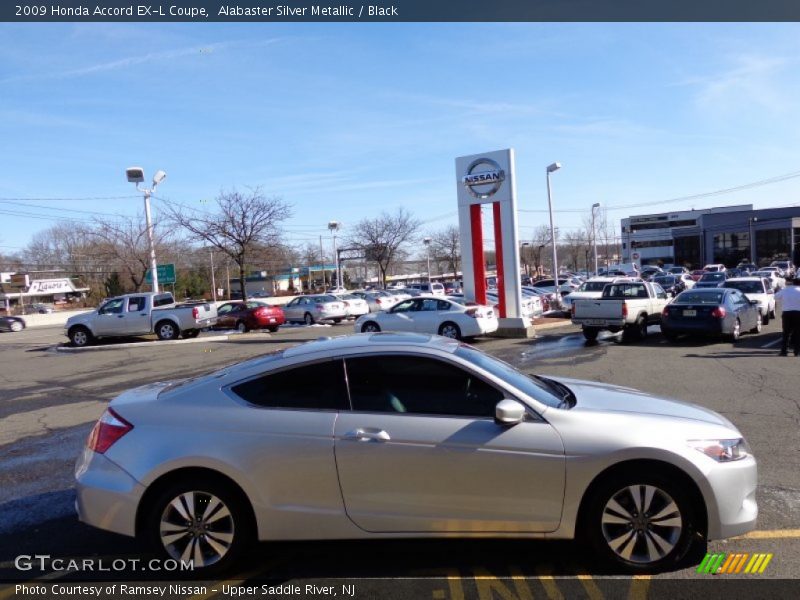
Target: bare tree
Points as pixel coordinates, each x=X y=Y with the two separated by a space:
x=244 y=226
x=446 y=246
x=540 y=240
x=123 y=243
x=382 y=238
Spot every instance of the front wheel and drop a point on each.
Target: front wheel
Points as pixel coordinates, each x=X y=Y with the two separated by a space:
x=640 y=521
x=200 y=521
x=16 y=326
x=167 y=330
x=80 y=337
x=736 y=332
x=765 y=318
x=758 y=325
x=241 y=327
x=337 y=321
x=308 y=319
x=272 y=328
x=450 y=330
x=370 y=327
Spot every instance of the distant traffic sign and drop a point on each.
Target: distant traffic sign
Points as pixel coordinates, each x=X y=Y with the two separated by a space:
x=166 y=274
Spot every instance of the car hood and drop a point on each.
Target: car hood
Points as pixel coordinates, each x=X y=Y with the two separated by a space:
x=604 y=397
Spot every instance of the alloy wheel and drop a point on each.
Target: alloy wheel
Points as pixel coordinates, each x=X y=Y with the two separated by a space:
x=450 y=331
x=197 y=526
x=16 y=326
x=308 y=319
x=641 y=524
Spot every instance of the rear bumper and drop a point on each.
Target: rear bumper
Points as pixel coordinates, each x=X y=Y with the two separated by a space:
x=107 y=496
x=270 y=321
x=696 y=327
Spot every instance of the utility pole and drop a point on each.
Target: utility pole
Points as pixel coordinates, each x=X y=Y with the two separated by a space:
x=213 y=280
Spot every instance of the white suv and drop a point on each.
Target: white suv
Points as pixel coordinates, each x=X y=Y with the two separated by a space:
x=434 y=288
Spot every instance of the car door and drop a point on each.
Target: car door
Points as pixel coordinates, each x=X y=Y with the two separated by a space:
x=401 y=317
x=224 y=320
x=136 y=316
x=109 y=318
x=427 y=317
x=292 y=310
x=421 y=452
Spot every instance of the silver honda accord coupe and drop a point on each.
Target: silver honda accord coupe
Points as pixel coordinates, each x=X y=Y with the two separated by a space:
x=389 y=435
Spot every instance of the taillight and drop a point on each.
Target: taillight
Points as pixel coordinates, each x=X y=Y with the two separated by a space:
x=195 y=313
x=319 y=307
x=665 y=312
x=572 y=310
x=718 y=312
x=624 y=309
x=346 y=303
x=472 y=312
x=105 y=433
x=261 y=311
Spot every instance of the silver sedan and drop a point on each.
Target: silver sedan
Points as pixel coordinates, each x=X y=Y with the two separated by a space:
x=396 y=435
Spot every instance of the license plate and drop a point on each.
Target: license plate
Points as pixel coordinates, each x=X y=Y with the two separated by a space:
x=690 y=313
x=272 y=320
x=595 y=322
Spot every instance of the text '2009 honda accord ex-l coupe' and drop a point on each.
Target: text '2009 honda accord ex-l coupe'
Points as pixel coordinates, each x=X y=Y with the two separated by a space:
x=403 y=435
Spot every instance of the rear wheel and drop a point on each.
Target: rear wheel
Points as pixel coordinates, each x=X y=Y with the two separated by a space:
x=640 y=521
x=758 y=325
x=736 y=332
x=370 y=327
x=590 y=333
x=308 y=319
x=242 y=327
x=337 y=321
x=200 y=521
x=191 y=333
x=450 y=330
x=272 y=328
x=16 y=326
x=167 y=330
x=765 y=318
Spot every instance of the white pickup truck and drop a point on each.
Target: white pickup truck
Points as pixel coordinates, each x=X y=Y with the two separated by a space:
x=625 y=306
x=140 y=314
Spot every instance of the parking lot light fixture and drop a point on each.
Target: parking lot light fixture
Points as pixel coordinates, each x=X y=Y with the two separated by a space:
x=427 y=242
x=552 y=169
x=135 y=175
x=334 y=226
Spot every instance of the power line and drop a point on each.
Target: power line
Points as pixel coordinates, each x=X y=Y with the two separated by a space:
x=75 y=210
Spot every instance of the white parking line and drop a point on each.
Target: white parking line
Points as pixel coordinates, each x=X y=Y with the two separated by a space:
x=772 y=343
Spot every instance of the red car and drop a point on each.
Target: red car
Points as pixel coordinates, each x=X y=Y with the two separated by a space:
x=250 y=315
x=696 y=275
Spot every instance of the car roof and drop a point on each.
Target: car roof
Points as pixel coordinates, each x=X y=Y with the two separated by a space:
x=745 y=279
x=369 y=341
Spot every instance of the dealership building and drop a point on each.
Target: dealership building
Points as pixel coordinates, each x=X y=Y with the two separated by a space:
x=726 y=235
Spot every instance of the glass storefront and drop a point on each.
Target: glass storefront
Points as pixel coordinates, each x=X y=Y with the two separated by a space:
x=731 y=248
x=772 y=244
x=687 y=251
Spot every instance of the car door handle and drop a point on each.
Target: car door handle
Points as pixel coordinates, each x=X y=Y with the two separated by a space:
x=367 y=435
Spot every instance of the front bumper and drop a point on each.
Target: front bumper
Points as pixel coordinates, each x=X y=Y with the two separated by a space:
x=107 y=496
x=733 y=510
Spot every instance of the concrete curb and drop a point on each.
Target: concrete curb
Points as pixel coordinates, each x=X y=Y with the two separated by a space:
x=228 y=338
x=546 y=326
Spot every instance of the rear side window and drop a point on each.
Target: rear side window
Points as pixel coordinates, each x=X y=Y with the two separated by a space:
x=162 y=300
x=318 y=386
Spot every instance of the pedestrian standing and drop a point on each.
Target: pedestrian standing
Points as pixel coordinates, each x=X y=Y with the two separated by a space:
x=790 y=316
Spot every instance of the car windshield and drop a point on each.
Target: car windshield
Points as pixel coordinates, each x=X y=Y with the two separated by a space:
x=692 y=297
x=529 y=385
x=325 y=299
x=713 y=277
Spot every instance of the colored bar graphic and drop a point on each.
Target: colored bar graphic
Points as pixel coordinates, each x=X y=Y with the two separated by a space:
x=720 y=563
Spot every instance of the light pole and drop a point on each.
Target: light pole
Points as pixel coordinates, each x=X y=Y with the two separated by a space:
x=596 y=205
x=213 y=280
x=427 y=242
x=136 y=175
x=752 y=240
x=333 y=226
x=551 y=169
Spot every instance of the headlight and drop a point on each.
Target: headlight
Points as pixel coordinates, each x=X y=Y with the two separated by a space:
x=722 y=450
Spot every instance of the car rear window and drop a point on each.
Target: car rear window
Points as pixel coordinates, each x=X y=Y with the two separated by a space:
x=699 y=298
x=747 y=287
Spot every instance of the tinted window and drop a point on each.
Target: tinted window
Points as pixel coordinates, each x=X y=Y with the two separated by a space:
x=664 y=280
x=314 y=386
x=162 y=300
x=693 y=297
x=622 y=290
x=418 y=385
x=748 y=287
x=593 y=286
x=713 y=277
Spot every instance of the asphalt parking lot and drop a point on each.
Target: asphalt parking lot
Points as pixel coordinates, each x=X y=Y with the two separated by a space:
x=49 y=401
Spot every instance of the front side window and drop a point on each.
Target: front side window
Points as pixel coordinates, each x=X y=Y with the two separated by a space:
x=317 y=386
x=406 y=306
x=418 y=385
x=112 y=307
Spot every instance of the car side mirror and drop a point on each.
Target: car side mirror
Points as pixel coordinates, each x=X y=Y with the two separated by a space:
x=509 y=412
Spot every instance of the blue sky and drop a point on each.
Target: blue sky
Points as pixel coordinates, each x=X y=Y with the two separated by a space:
x=344 y=121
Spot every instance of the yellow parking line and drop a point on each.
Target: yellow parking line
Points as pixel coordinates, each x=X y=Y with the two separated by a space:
x=549 y=583
x=639 y=587
x=770 y=534
x=591 y=588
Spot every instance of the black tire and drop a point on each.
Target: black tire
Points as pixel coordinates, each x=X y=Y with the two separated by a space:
x=590 y=333
x=765 y=319
x=167 y=330
x=272 y=328
x=606 y=527
x=772 y=314
x=370 y=327
x=80 y=336
x=337 y=321
x=191 y=333
x=308 y=319
x=242 y=327
x=636 y=331
x=235 y=531
x=450 y=330
x=669 y=336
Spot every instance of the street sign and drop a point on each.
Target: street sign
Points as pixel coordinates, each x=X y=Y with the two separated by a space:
x=19 y=280
x=166 y=274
